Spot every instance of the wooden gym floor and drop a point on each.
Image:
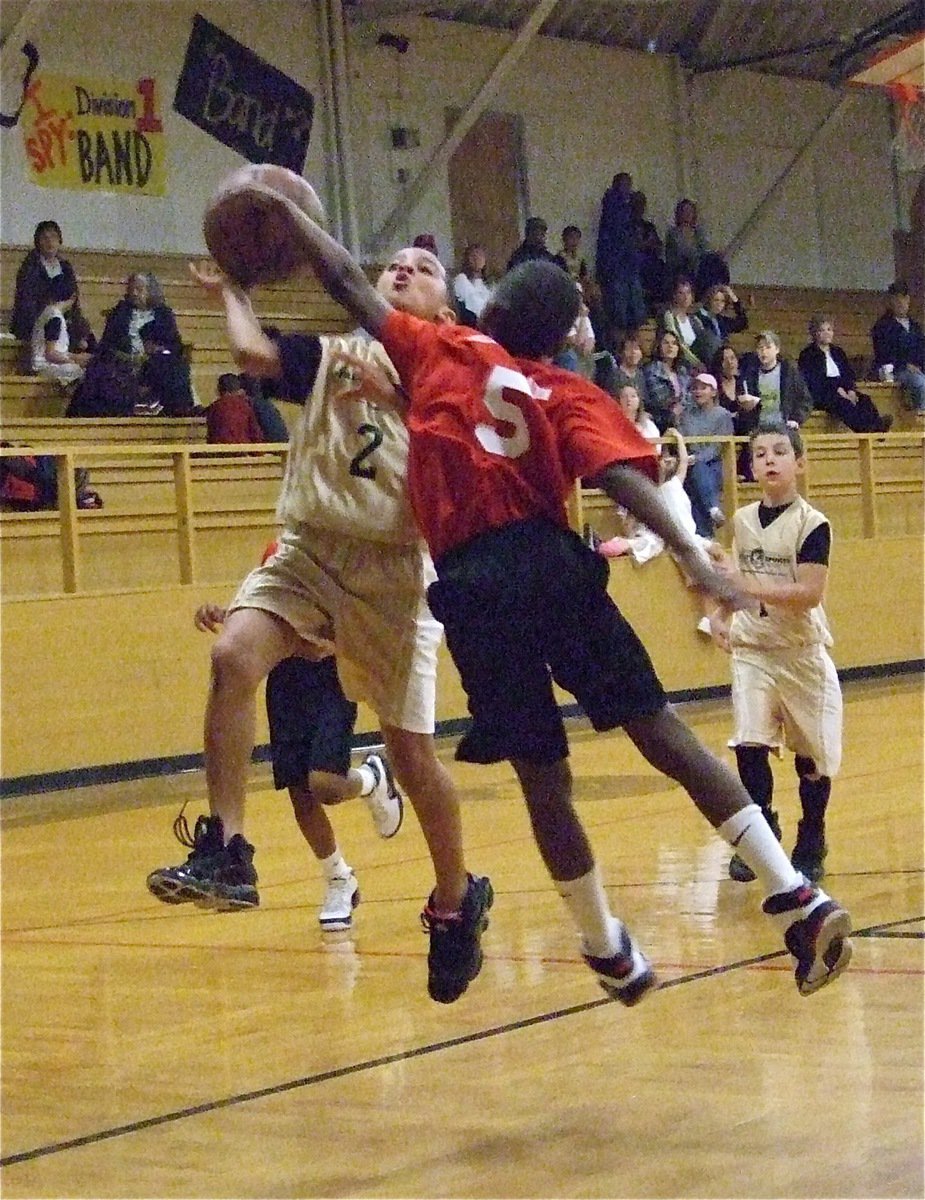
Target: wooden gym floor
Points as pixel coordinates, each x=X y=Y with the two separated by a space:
x=159 y=1052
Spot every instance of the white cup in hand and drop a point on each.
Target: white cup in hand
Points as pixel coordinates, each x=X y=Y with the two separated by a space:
x=886 y=373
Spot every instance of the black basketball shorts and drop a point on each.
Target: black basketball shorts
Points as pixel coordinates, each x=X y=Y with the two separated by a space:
x=311 y=720
x=522 y=607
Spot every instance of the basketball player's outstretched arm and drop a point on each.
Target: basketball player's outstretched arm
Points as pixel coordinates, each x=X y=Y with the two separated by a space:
x=629 y=487
x=342 y=276
x=251 y=349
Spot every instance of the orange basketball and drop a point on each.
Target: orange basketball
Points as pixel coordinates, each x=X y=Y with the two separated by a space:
x=249 y=234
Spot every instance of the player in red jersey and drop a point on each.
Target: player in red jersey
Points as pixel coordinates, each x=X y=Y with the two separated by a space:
x=501 y=439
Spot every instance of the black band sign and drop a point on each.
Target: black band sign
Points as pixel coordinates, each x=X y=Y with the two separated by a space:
x=242 y=101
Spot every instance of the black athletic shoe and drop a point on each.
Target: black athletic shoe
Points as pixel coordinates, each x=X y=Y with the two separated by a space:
x=232 y=884
x=626 y=976
x=815 y=929
x=214 y=875
x=740 y=871
x=455 y=956
x=182 y=884
x=809 y=853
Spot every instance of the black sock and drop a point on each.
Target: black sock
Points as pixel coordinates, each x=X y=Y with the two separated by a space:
x=814 y=796
x=755 y=773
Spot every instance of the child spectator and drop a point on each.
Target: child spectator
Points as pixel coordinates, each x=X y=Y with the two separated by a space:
x=230 y=417
x=52 y=356
x=776 y=381
x=831 y=381
x=720 y=313
x=899 y=347
x=628 y=398
x=311 y=724
x=785 y=689
x=268 y=416
x=705 y=476
x=628 y=369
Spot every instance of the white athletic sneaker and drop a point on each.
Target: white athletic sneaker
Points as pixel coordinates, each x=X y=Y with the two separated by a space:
x=384 y=802
x=341 y=898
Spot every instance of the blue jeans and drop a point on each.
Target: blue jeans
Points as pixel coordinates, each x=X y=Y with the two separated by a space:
x=913 y=386
x=704 y=485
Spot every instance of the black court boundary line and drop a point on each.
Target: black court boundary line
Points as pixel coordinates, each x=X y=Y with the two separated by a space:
x=385 y=1060
x=149 y=768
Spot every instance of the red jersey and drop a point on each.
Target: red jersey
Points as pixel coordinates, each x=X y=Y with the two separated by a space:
x=592 y=431
x=485 y=441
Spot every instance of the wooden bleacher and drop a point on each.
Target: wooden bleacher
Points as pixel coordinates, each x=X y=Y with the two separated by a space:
x=297 y=304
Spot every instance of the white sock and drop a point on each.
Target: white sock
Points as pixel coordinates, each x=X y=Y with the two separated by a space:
x=335 y=866
x=751 y=837
x=587 y=902
x=368 y=778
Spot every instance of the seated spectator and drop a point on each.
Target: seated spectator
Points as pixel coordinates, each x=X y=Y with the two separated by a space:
x=831 y=381
x=142 y=308
x=268 y=416
x=652 y=271
x=38 y=269
x=52 y=356
x=668 y=381
x=230 y=418
x=534 y=245
x=685 y=242
x=629 y=401
x=470 y=288
x=776 y=381
x=679 y=319
x=705 y=474
x=164 y=377
x=628 y=369
x=899 y=347
x=720 y=313
x=733 y=396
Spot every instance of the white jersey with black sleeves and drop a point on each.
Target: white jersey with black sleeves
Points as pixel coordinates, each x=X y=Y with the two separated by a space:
x=771 y=553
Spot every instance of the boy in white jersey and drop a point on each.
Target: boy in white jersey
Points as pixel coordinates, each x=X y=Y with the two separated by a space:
x=784 y=686
x=351 y=569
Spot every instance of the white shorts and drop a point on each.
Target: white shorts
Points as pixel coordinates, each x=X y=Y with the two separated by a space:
x=369 y=599
x=790 y=697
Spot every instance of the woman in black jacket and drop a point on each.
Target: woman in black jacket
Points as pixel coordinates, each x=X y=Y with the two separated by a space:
x=142 y=315
x=34 y=279
x=831 y=381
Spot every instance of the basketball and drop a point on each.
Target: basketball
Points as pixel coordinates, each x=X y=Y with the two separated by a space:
x=249 y=234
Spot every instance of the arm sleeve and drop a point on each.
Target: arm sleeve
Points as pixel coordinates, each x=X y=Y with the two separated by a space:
x=300 y=355
x=816 y=546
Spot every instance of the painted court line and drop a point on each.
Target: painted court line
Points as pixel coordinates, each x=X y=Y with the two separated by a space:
x=385 y=1060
